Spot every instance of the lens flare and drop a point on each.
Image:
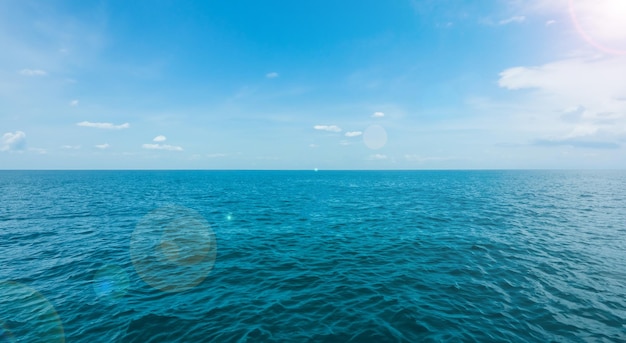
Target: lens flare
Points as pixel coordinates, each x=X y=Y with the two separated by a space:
x=110 y=283
x=375 y=137
x=601 y=23
x=173 y=248
x=27 y=316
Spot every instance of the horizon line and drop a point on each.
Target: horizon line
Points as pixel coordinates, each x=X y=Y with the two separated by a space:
x=320 y=169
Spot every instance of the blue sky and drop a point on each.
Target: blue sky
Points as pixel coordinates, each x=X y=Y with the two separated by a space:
x=398 y=84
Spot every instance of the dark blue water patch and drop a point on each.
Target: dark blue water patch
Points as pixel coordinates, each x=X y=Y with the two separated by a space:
x=322 y=256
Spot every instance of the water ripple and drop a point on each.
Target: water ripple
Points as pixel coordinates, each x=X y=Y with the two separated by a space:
x=533 y=256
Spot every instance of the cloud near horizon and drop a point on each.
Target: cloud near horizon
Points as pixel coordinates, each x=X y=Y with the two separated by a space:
x=576 y=143
x=162 y=147
x=103 y=146
x=33 y=72
x=589 y=89
x=108 y=126
x=13 y=141
x=377 y=157
x=216 y=155
x=353 y=133
x=329 y=128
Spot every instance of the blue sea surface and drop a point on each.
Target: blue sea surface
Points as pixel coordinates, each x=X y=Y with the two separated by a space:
x=304 y=256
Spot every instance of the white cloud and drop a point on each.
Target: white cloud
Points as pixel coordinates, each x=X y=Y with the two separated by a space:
x=70 y=147
x=159 y=138
x=271 y=75
x=550 y=22
x=104 y=125
x=13 y=141
x=74 y=103
x=102 y=146
x=514 y=19
x=329 y=128
x=162 y=147
x=378 y=115
x=378 y=157
x=590 y=89
x=353 y=133
x=580 y=80
x=33 y=72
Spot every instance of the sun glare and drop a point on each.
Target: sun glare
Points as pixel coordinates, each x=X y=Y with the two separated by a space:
x=602 y=23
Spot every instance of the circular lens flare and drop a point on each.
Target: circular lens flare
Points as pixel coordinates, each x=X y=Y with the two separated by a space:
x=375 y=137
x=601 y=23
x=27 y=316
x=173 y=248
x=111 y=283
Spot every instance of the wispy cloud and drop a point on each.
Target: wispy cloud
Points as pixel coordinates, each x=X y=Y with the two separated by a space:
x=377 y=157
x=422 y=159
x=329 y=128
x=74 y=103
x=109 y=126
x=161 y=138
x=33 y=72
x=13 y=141
x=378 y=115
x=313 y=146
x=70 y=147
x=353 y=133
x=39 y=151
x=271 y=75
x=162 y=147
x=102 y=146
x=216 y=155
x=515 y=19
x=550 y=22
x=576 y=143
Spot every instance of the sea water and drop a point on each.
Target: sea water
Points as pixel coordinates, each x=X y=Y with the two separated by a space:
x=312 y=256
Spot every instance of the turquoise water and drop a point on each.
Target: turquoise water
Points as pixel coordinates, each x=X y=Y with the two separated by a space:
x=328 y=256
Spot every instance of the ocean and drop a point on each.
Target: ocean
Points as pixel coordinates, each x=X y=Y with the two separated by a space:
x=312 y=256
